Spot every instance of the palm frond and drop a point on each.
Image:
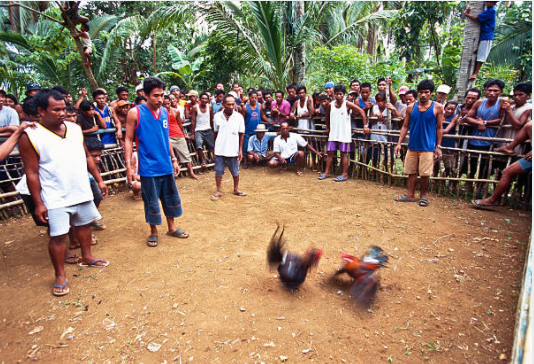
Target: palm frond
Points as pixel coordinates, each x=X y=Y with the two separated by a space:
x=104 y=22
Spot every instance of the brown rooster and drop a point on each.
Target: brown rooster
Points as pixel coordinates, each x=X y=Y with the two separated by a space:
x=292 y=268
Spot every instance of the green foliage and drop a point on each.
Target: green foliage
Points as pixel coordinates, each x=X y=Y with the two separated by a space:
x=450 y=56
x=188 y=67
x=509 y=75
x=343 y=63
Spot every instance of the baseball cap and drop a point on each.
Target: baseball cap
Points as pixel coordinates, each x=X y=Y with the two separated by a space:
x=444 y=88
x=353 y=92
x=329 y=84
x=192 y=93
x=122 y=103
x=403 y=90
x=174 y=87
x=139 y=87
x=32 y=86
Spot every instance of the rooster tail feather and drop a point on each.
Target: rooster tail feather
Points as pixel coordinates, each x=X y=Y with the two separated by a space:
x=275 y=251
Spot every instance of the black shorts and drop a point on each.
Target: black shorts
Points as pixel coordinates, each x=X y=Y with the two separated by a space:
x=97 y=194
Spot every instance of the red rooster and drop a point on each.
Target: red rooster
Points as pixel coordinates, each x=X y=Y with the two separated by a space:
x=292 y=268
x=363 y=273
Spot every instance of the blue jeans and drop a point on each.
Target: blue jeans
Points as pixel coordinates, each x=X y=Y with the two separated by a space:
x=164 y=189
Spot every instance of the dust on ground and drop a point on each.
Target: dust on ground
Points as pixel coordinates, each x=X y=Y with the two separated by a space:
x=449 y=294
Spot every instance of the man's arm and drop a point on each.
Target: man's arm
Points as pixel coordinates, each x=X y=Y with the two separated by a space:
x=327 y=119
x=471 y=115
x=360 y=112
x=439 y=129
x=193 y=118
x=31 y=166
x=510 y=117
x=7 y=146
x=131 y=122
x=392 y=95
x=451 y=125
x=118 y=125
x=8 y=130
x=93 y=169
x=404 y=129
x=240 y=153
x=211 y=116
x=83 y=94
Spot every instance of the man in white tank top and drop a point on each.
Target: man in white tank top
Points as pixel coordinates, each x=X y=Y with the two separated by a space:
x=338 y=129
x=303 y=109
x=202 y=127
x=56 y=162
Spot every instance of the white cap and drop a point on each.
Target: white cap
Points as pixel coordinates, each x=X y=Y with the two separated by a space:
x=444 y=88
x=139 y=87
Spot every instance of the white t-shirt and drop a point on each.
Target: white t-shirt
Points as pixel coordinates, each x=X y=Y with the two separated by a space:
x=227 y=142
x=8 y=116
x=289 y=147
x=340 y=127
x=379 y=124
x=62 y=166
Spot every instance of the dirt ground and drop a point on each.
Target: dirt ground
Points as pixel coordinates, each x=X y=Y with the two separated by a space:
x=448 y=296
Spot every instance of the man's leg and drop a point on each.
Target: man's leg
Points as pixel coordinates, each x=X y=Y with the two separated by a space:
x=344 y=164
x=191 y=172
x=412 y=181
x=56 y=248
x=150 y=191
x=423 y=184
x=524 y=134
x=504 y=184
x=233 y=166
x=474 y=76
x=329 y=159
x=84 y=236
x=219 y=171
x=300 y=158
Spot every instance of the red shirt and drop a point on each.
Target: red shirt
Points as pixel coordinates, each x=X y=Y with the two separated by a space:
x=174 y=128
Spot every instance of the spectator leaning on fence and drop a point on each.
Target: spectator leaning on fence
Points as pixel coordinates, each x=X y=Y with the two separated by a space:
x=424 y=119
x=9 y=118
x=517 y=113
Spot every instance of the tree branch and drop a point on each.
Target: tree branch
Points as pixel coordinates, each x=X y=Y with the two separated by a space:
x=30 y=9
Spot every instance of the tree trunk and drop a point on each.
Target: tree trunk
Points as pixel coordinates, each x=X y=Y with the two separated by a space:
x=469 y=51
x=300 y=50
x=87 y=69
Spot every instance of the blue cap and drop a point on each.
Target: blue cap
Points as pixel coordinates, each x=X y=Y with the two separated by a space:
x=174 y=87
x=32 y=86
x=329 y=84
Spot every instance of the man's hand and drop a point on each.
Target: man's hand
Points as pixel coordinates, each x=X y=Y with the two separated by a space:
x=103 y=189
x=118 y=134
x=366 y=130
x=380 y=116
x=528 y=156
x=327 y=131
x=390 y=106
x=129 y=174
x=176 y=168
x=397 y=150
x=26 y=124
x=239 y=156
x=368 y=105
x=388 y=80
x=282 y=160
x=437 y=154
x=320 y=154
x=83 y=92
x=506 y=105
x=467 y=10
x=41 y=213
x=481 y=128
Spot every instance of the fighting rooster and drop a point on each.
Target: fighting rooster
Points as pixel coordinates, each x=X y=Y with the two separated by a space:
x=363 y=273
x=292 y=268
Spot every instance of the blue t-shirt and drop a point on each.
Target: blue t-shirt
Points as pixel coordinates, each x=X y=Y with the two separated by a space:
x=106 y=116
x=252 y=119
x=423 y=129
x=362 y=104
x=216 y=106
x=487 y=23
x=152 y=140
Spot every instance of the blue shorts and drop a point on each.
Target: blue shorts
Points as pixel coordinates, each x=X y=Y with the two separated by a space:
x=291 y=159
x=525 y=165
x=204 y=137
x=164 y=189
x=231 y=162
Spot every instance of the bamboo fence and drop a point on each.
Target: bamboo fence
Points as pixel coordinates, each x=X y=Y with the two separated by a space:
x=474 y=172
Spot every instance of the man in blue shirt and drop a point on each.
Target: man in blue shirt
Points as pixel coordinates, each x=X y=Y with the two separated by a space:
x=487 y=29
x=258 y=144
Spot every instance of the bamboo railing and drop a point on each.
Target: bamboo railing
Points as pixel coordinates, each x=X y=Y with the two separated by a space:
x=370 y=160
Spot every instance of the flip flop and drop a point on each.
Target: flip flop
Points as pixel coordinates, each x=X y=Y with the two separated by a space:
x=94 y=240
x=98 y=225
x=240 y=193
x=340 y=179
x=93 y=264
x=480 y=205
x=423 y=202
x=62 y=287
x=323 y=176
x=152 y=241
x=404 y=198
x=215 y=197
x=179 y=233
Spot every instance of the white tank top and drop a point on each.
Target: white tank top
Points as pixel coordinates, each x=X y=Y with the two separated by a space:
x=62 y=166
x=203 y=119
x=303 y=123
x=339 y=124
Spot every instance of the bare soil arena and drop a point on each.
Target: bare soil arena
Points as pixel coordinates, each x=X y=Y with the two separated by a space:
x=448 y=296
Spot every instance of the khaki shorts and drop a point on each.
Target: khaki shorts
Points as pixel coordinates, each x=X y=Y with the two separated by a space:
x=181 y=150
x=419 y=161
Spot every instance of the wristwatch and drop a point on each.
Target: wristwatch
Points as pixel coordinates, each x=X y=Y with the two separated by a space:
x=485 y=122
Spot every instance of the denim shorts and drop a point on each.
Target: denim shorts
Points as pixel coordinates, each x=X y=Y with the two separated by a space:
x=291 y=158
x=204 y=137
x=525 y=165
x=231 y=162
x=164 y=189
x=81 y=214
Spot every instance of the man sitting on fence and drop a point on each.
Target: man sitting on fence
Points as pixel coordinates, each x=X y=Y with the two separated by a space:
x=338 y=129
x=523 y=165
x=56 y=170
x=286 y=149
x=425 y=119
x=516 y=113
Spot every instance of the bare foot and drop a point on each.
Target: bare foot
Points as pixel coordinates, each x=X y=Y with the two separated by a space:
x=473 y=76
x=194 y=176
x=299 y=173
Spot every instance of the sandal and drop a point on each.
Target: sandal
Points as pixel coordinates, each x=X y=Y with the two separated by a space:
x=62 y=288
x=98 y=225
x=179 y=233
x=423 y=202
x=93 y=264
x=240 y=193
x=73 y=259
x=152 y=241
x=404 y=198
x=323 y=176
x=340 y=179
